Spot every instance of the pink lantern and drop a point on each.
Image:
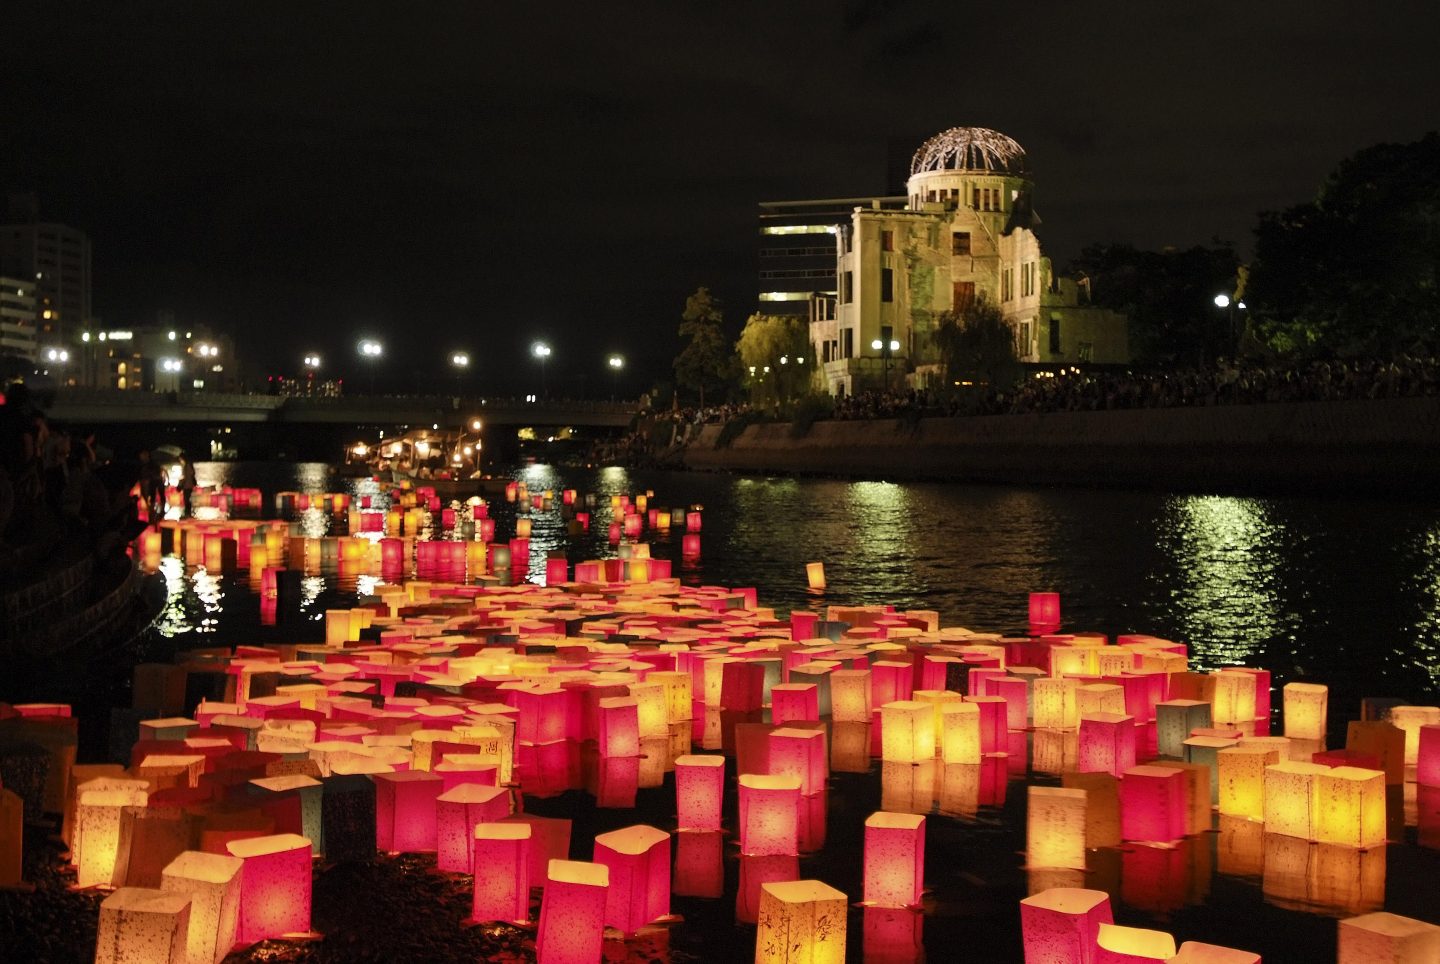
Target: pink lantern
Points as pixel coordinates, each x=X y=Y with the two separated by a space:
x=769 y=807
x=1062 y=924
x=557 y=571
x=572 y=914
x=1016 y=694
x=891 y=682
x=794 y=701
x=502 y=890
x=1427 y=765
x=1107 y=743
x=1044 y=611
x=457 y=813
x=638 y=859
x=1152 y=804
x=894 y=859
x=801 y=754
x=619 y=726
x=275 y=886
x=405 y=810
x=699 y=791
x=742 y=685
x=993 y=720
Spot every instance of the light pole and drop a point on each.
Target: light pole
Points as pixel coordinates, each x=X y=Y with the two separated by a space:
x=886 y=346
x=541 y=351
x=460 y=361
x=171 y=367
x=371 y=350
x=312 y=362
x=617 y=364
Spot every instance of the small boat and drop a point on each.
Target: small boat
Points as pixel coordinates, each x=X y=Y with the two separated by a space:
x=446 y=461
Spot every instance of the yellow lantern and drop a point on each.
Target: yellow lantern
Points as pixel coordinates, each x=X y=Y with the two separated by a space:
x=140 y=925
x=1241 y=779
x=801 y=922
x=907 y=731
x=1350 y=807
x=1055 y=828
x=1305 y=710
x=1387 y=937
x=1290 y=798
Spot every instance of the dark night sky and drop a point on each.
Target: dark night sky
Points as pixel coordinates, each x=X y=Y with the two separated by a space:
x=477 y=174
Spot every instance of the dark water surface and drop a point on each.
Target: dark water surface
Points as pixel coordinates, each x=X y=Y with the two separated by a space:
x=1341 y=592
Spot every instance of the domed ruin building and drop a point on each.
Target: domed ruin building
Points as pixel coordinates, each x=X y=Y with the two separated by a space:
x=965 y=231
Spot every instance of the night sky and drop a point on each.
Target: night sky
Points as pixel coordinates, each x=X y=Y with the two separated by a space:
x=479 y=174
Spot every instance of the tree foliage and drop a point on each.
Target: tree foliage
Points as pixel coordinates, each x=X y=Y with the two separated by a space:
x=763 y=342
x=705 y=363
x=1168 y=298
x=1356 y=271
x=976 y=343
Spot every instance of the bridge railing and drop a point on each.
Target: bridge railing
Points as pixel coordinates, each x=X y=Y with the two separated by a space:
x=458 y=403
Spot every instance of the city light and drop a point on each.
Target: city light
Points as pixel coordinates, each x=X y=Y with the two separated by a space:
x=1222 y=301
x=371 y=348
x=460 y=359
x=58 y=355
x=540 y=350
x=312 y=361
x=615 y=361
x=171 y=365
x=207 y=351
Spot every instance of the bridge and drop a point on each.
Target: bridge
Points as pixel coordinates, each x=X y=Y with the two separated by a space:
x=109 y=407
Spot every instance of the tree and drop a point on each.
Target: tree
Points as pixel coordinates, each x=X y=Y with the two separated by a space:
x=976 y=343
x=705 y=361
x=1168 y=298
x=1356 y=271
x=764 y=342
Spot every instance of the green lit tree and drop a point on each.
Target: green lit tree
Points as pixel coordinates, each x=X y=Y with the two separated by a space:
x=780 y=343
x=705 y=363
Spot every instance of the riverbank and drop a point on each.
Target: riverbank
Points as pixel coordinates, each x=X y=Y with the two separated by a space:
x=1378 y=447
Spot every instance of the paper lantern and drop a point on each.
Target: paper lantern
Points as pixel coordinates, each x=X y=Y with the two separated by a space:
x=1055 y=704
x=769 y=808
x=572 y=913
x=1382 y=742
x=1409 y=719
x=1197 y=794
x=907 y=731
x=1044 y=611
x=1102 y=807
x=796 y=701
x=1055 y=828
x=150 y=837
x=1107 y=743
x=98 y=806
x=1234 y=697
x=502 y=890
x=799 y=753
x=1305 y=710
x=619 y=726
x=815 y=576
x=1390 y=938
x=140 y=925
x=850 y=696
x=1175 y=720
x=1240 y=775
x=801 y=922
x=1152 y=804
x=275 y=886
x=458 y=812
x=1427 y=756
x=699 y=791
x=894 y=859
x=960 y=733
x=1204 y=751
x=1350 y=807
x=1015 y=691
x=1061 y=925
x=212 y=882
x=638 y=859
x=405 y=810
x=1194 y=952
x=1093 y=698
x=1115 y=944
x=1290 y=797
x=993 y=715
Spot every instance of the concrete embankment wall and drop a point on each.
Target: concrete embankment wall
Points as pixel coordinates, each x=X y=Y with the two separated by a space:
x=1382 y=446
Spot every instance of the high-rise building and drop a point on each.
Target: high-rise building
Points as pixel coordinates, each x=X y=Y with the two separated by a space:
x=56 y=259
x=964 y=233
x=17 y=318
x=797 y=251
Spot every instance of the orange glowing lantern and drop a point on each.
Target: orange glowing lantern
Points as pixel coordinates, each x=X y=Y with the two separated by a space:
x=1290 y=798
x=960 y=733
x=1062 y=924
x=1152 y=804
x=1107 y=744
x=801 y=922
x=699 y=791
x=98 y=808
x=1241 y=778
x=1350 y=807
x=1055 y=828
x=1055 y=704
x=1234 y=697
x=572 y=914
x=1115 y=944
x=815 y=576
x=405 y=810
x=1305 y=710
x=212 y=882
x=619 y=727
x=638 y=859
x=502 y=891
x=907 y=731
x=275 y=885
x=894 y=859
x=457 y=813
x=139 y=925
x=1195 y=952
x=769 y=814
x=1387 y=937
x=850 y=696
x=799 y=753
x=1410 y=719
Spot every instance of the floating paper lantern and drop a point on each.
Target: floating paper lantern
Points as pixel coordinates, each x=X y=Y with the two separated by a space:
x=275 y=885
x=1305 y=710
x=769 y=814
x=502 y=890
x=1015 y=691
x=960 y=733
x=850 y=696
x=1115 y=944
x=405 y=810
x=699 y=791
x=1240 y=775
x=1386 y=937
x=993 y=715
x=1350 y=807
x=638 y=859
x=907 y=731
x=1055 y=705
x=1427 y=756
x=98 y=806
x=1152 y=804
x=1175 y=720
x=1290 y=797
x=894 y=859
x=799 y=753
x=140 y=925
x=1107 y=743
x=1197 y=793
x=212 y=882
x=150 y=837
x=1055 y=828
x=556 y=571
x=619 y=727
x=815 y=576
x=1195 y=952
x=1384 y=743
x=891 y=682
x=1410 y=719
x=1061 y=925
x=572 y=913
x=795 y=701
x=801 y=922
x=458 y=812
x=1234 y=700
x=1044 y=611
x=1093 y=698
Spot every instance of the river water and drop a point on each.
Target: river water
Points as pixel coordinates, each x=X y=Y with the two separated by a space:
x=1341 y=592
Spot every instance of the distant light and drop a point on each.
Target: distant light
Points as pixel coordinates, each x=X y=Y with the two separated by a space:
x=799 y=361
x=312 y=361
x=1240 y=305
x=894 y=345
x=615 y=361
x=460 y=359
x=371 y=349
x=784 y=359
x=540 y=350
x=767 y=369
x=85 y=336
x=172 y=336
x=475 y=425
x=170 y=365
x=877 y=344
x=361 y=450
x=1222 y=301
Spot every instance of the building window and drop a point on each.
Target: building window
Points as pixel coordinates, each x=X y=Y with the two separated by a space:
x=1054 y=334
x=1084 y=350
x=1022 y=346
x=975 y=198
x=887 y=240
x=847 y=343
x=960 y=243
x=963 y=295
x=887 y=284
x=847 y=288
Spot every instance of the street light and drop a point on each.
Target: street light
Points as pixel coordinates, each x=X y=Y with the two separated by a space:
x=886 y=346
x=372 y=350
x=616 y=363
x=541 y=351
x=460 y=361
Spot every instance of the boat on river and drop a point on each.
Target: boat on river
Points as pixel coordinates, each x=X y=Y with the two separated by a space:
x=447 y=461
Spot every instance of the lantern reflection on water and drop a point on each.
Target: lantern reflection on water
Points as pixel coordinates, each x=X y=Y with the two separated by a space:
x=1055 y=828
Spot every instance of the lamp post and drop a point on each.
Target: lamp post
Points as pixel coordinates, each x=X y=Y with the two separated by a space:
x=460 y=362
x=312 y=362
x=886 y=345
x=541 y=351
x=1232 y=309
x=617 y=364
x=371 y=350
